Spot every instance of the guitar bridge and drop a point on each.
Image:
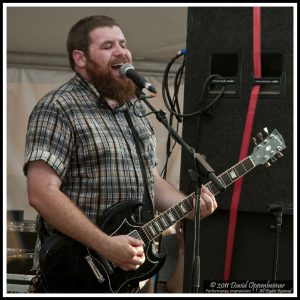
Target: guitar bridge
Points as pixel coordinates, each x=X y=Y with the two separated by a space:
x=95 y=270
x=109 y=266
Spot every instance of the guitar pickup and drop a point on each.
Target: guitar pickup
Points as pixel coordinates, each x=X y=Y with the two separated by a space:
x=136 y=235
x=95 y=270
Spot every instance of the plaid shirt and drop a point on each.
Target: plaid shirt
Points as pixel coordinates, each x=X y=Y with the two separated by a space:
x=91 y=147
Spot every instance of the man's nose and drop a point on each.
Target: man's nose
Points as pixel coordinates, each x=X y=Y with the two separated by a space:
x=119 y=50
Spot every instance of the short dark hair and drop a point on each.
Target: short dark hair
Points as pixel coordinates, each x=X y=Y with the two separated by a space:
x=78 y=37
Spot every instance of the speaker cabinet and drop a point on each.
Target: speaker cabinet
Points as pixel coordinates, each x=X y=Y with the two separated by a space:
x=220 y=41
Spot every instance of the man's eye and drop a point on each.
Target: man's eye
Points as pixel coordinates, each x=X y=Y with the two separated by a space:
x=106 y=46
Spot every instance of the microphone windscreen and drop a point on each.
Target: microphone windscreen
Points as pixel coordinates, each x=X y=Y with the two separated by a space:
x=125 y=68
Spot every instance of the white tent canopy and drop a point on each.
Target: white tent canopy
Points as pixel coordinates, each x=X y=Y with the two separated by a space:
x=154 y=34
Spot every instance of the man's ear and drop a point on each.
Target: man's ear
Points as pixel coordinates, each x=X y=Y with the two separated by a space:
x=79 y=58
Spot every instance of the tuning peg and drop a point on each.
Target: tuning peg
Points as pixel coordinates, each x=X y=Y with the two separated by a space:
x=279 y=155
x=259 y=136
x=267 y=164
x=266 y=130
x=254 y=141
x=273 y=159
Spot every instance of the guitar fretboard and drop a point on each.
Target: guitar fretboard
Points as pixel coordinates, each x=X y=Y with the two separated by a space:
x=158 y=225
x=232 y=174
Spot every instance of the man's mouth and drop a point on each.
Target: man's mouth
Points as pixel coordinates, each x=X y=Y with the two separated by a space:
x=117 y=66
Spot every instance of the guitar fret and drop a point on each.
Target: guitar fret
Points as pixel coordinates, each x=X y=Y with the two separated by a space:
x=241 y=169
x=158 y=226
x=232 y=174
x=148 y=233
x=244 y=167
x=188 y=206
x=210 y=187
x=213 y=188
x=166 y=218
x=189 y=202
x=152 y=230
x=143 y=234
x=183 y=207
x=248 y=164
x=176 y=212
x=171 y=217
x=220 y=177
x=163 y=225
x=182 y=210
x=226 y=179
x=164 y=222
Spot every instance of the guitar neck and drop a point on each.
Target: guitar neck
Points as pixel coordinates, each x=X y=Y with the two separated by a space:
x=180 y=210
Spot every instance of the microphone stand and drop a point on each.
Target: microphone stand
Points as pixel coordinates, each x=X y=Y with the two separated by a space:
x=201 y=167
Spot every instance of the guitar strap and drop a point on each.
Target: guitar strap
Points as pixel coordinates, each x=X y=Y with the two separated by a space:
x=147 y=212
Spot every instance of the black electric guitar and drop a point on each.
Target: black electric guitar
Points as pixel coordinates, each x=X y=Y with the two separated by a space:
x=68 y=266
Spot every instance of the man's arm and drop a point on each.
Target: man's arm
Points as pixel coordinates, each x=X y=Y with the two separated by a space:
x=57 y=209
x=166 y=195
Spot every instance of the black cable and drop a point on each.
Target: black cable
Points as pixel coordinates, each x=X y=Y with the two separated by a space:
x=207 y=81
x=165 y=83
x=173 y=104
x=177 y=83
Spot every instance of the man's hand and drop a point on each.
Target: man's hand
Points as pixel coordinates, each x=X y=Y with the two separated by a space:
x=125 y=252
x=208 y=203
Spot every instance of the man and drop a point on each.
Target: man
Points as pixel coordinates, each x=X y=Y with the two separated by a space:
x=81 y=156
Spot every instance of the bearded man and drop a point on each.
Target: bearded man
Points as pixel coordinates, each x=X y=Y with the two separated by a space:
x=82 y=157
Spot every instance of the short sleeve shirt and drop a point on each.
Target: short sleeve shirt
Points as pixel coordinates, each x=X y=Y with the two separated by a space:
x=91 y=147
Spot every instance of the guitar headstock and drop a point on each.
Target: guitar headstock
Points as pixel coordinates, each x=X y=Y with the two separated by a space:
x=269 y=148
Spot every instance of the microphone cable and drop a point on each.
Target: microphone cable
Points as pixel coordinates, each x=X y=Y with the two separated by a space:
x=172 y=103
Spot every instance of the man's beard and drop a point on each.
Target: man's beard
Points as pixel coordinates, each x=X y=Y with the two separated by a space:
x=122 y=90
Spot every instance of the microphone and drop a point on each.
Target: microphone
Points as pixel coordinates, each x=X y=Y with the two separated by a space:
x=129 y=71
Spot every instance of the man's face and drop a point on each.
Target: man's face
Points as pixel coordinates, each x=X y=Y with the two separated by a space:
x=107 y=53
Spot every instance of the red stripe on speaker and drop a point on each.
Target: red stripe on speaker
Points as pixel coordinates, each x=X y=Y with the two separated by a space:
x=245 y=141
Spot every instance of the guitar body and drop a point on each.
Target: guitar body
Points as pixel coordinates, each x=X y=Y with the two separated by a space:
x=64 y=267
